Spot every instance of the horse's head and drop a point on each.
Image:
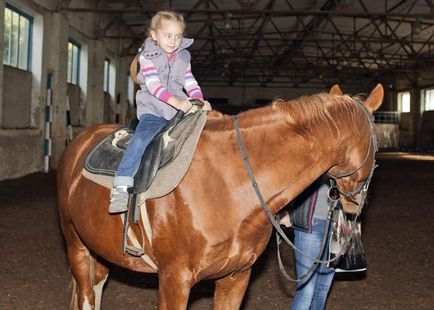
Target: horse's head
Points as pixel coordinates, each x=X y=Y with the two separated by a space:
x=354 y=173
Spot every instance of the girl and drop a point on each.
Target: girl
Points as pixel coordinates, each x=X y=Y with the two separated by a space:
x=164 y=72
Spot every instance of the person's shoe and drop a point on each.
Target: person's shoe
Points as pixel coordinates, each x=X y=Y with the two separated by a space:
x=118 y=200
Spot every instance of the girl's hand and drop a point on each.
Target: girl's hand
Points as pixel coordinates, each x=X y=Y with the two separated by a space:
x=183 y=105
x=206 y=106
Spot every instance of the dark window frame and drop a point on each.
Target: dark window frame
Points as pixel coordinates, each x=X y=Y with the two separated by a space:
x=29 y=18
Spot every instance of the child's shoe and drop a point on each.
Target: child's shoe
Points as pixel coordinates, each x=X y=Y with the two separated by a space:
x=119 y=199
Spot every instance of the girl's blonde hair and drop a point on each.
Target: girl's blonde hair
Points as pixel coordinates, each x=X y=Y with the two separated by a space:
x=156 y=23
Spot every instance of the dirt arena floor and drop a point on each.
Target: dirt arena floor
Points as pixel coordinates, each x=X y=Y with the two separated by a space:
x=398 y=236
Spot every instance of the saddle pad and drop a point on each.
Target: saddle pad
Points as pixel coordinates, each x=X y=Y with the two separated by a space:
x=167 y=177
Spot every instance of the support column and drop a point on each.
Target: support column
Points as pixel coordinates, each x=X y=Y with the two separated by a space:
x=2 y=31
x=95 y=90
x=415 y=114
x=122 y=87
x=56 y=34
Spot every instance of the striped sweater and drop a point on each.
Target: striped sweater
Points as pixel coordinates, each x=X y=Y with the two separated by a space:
x=156 y=87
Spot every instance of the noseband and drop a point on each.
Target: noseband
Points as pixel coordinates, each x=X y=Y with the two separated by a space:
x=363 y=189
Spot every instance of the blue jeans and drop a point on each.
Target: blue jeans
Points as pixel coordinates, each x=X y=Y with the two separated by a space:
x=312 y=292
x=149 y=126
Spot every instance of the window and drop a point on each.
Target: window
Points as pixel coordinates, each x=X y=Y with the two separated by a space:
x=73 y=62
x=404 y=102
x=107 y=75
x=428 y=102
x=17 y=38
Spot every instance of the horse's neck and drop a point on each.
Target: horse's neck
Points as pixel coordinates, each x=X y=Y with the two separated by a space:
x=285 y=163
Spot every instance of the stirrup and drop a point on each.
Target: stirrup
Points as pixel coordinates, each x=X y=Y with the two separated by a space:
x=135 y=251
x=128 y=248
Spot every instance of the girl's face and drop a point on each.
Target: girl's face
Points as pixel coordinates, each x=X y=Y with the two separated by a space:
x=168 y=36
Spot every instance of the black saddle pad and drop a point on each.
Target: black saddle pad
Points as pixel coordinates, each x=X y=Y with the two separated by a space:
x=104 y=158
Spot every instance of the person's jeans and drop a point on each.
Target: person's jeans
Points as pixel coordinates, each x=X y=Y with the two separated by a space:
x=149 y=126
x=312 y=292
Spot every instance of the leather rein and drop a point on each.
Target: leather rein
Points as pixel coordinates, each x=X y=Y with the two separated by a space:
x=280 y=234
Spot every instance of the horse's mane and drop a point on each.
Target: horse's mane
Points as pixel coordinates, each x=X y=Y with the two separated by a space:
x=321 y=111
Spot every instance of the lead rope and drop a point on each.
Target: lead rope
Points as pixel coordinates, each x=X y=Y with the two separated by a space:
x=265 y=207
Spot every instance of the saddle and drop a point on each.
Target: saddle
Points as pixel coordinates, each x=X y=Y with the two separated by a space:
x=178 y=138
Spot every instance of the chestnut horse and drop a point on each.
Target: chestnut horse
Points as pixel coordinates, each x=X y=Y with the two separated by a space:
x=212 y=225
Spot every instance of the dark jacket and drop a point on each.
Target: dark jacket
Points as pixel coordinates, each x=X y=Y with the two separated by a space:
x=301 y=209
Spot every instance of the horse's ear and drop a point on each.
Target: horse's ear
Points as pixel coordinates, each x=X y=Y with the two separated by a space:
x=375 y=98
x=336 y=90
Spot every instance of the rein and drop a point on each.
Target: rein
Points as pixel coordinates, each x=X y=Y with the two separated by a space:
x=279 y=232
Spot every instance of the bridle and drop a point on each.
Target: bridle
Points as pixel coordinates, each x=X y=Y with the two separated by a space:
x=363 y=188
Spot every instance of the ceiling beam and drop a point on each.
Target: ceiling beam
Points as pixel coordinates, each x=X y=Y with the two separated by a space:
x=241 y=12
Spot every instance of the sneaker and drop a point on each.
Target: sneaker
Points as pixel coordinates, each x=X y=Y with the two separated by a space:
x=118 y=200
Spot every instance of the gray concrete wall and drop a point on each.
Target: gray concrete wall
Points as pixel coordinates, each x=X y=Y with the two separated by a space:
x=95 y=94
x=56 y=55
x=413 y=131
x=17 y=94
x=2 y=31
x=20 y=152
x=406 y=130
x=74 y=97
x=426 y=135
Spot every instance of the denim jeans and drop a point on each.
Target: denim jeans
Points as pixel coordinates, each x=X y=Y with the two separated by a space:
x=312 y=292
x=149 y=126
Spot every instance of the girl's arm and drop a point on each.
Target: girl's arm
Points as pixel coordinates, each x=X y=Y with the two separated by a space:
x=191 y=85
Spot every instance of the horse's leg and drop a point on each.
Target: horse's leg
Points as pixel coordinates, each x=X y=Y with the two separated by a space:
x=174 y=288
x=230 y=290
x=100 y=277
x=89 y=277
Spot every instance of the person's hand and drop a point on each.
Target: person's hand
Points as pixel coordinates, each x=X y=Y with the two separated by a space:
x=183 y=105
x=206 y=106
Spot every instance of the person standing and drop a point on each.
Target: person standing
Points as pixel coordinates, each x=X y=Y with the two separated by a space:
x=308 y=217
